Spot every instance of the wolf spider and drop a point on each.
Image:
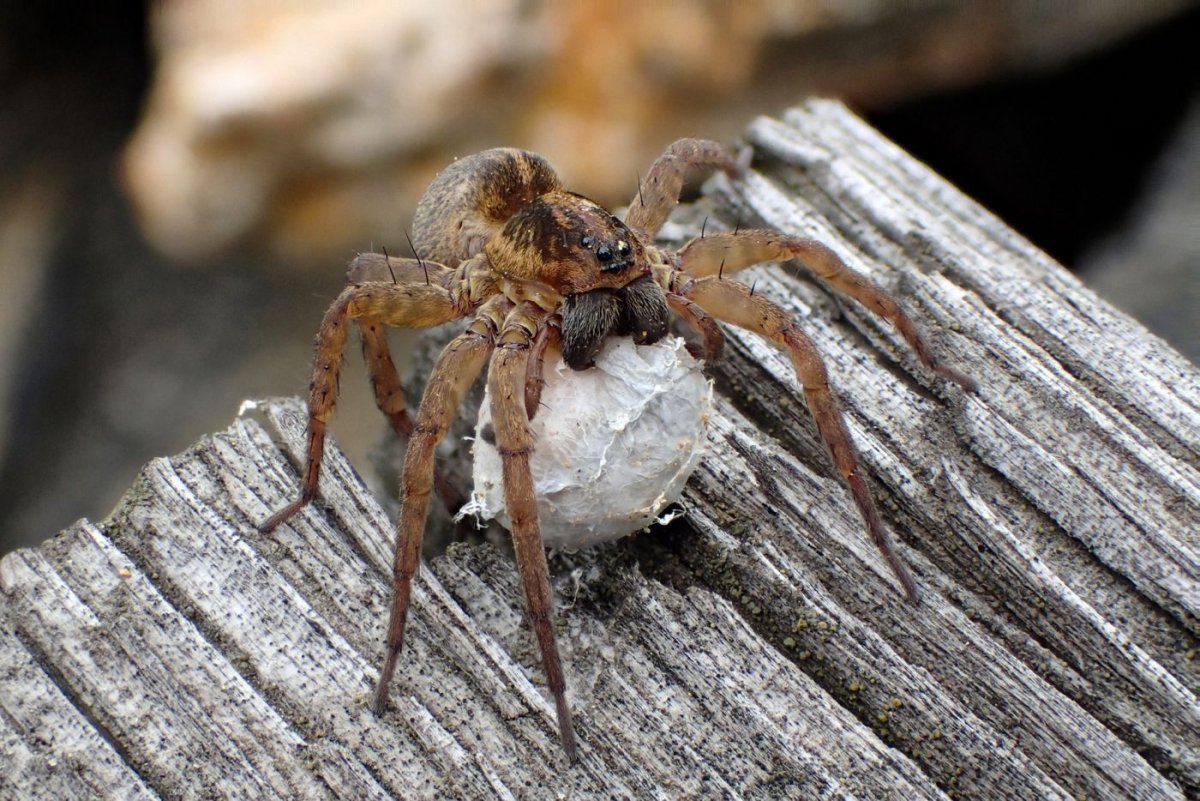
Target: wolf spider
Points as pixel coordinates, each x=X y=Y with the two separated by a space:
x=541 y=271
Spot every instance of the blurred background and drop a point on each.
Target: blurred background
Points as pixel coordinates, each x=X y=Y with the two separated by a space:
x=182 y=183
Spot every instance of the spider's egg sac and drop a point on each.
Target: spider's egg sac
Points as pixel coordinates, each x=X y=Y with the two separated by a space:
x=613 y=444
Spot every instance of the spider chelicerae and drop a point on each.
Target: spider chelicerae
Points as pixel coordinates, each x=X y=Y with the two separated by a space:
x=540 y=271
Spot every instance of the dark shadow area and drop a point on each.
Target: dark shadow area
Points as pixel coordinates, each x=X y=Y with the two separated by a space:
x=1061 y=155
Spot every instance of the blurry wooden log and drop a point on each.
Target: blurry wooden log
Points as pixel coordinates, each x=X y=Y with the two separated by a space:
x=755 y=648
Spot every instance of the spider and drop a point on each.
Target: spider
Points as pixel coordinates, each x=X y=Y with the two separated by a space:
x=540 y=271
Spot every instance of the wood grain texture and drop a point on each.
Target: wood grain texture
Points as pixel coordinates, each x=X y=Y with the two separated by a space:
x=757 y=647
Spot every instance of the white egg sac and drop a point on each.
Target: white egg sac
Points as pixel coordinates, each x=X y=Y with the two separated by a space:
x=613 y=444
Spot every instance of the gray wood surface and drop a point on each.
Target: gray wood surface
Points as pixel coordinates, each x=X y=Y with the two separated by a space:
x=756 y=648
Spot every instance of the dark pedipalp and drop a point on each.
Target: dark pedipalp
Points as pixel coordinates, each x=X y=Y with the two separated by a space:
x=587 y=320
x=638 y=310
x=644 y=313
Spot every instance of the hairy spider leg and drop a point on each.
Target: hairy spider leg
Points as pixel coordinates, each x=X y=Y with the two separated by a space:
x=389 y=398
x=716 y=253
x=377 y=267
x=385 y=380
x=413 y=305
x=733 y=302
x=506 y=387
x=659 y=191
x=457 y=367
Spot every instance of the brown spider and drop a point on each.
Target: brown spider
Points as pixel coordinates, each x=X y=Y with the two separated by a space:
x=541 y=271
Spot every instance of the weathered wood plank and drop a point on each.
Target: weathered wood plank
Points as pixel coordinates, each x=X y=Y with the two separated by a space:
x=45 y=742
x=757 y=648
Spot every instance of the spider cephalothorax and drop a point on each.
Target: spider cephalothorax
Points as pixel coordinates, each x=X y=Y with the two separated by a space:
x=542 y=272
x=592 y=261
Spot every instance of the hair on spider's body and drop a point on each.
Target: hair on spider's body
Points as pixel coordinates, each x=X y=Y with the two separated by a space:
x=539 y=271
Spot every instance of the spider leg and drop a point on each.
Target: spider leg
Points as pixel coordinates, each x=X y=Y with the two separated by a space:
x=659 y=190
x=726 y=252
x=416 y=305
x=393 y=269
x=385 y=381
x=713 y=339
x=733 y=302
x=548 y=340
x=457 y=368
x=506 y=386
x=389 y=397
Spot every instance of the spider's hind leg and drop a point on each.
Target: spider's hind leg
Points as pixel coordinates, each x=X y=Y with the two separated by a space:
x=385 y=380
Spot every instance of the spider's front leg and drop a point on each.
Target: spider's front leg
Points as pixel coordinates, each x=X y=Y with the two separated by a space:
x=413 y=305
x=507 y=389
x=717 y=254
x=735 y=303
x=457 y=368
x=712 y=339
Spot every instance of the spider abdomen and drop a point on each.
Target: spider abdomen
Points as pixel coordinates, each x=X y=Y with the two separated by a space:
x=469 y=201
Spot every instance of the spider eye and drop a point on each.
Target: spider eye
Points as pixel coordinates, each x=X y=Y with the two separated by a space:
x=586 y=241
x=623 y=248
x=604 y=254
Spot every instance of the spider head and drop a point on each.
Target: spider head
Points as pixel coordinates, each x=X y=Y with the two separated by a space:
x=613 y=252
x=593 y=262
x=568 y=243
